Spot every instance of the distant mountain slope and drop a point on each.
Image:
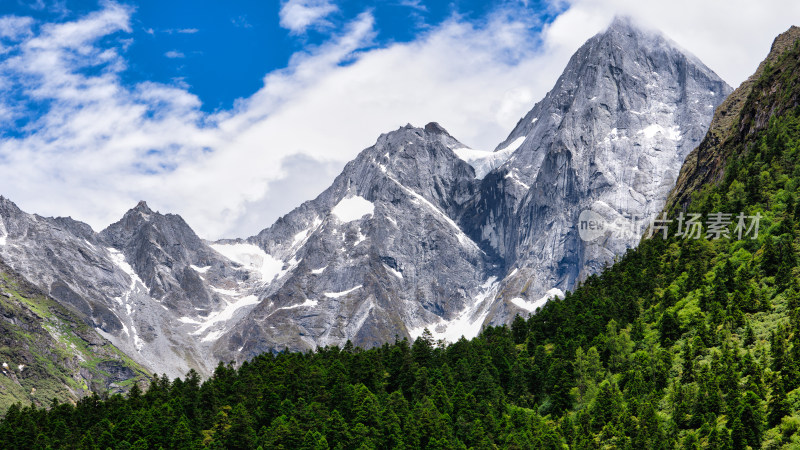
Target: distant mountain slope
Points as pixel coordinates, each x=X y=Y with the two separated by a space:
x=147 y=283
x=47 y=351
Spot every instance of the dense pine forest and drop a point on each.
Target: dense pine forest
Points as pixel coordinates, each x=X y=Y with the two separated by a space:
x=684 y=343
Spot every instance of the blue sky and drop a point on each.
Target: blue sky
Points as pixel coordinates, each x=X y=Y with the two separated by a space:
x=231 y=113
x=221 y=50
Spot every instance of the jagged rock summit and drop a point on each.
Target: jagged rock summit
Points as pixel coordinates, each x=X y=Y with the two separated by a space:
x=610 y=137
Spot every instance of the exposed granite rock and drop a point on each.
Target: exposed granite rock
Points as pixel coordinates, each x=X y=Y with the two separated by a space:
x=611 y=137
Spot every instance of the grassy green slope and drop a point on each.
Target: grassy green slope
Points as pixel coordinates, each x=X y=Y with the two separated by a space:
x=46 y=352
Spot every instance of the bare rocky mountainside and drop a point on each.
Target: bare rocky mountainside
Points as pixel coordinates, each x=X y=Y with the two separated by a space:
x=610 y=137
x=418 y=231
x=47 y=351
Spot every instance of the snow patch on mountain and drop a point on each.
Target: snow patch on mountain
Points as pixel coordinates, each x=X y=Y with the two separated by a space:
x=672 y=133
x=353 y=208
x=393 y=271
x=341 y=294
x=308 y=303
x=200 y=269
x=484 y=161
x=137 y=341
x=301 y=237
x=515 y=178
x=468 y=323
x=224 y=315
x=119 y=259
x=513 y=145
x=532 y=306
x=360 y=237
x=3 y=232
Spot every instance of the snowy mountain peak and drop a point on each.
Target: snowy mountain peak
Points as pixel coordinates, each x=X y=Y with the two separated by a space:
x=610 y=136
x=622 y=24
x=435 y=128
x=142 y=207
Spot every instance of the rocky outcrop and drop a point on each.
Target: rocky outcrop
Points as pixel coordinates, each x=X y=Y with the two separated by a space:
x=705 y=164
x=375 y=257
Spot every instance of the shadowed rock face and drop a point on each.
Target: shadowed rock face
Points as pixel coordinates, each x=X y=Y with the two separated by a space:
x=417 y=231
x=161 y=249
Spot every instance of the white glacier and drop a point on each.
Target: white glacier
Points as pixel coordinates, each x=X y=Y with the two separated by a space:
x=251 y=257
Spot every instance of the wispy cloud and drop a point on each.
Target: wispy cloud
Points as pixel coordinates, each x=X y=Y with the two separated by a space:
x=297 y=15
x=172 y=54
x=14 y=27
x=415 y=4
x=188 y=30
x=241 y=22
x=96 y=146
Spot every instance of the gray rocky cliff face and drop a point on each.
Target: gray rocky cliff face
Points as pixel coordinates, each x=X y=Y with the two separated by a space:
x=609 y=137
x=378 y=255
x=162 y=249
x=417 y=231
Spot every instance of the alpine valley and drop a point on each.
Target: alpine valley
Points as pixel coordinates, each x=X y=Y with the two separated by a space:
x=418 y=232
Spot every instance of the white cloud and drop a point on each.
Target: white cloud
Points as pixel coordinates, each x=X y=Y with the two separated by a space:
x=173 y=54
x=298 y=15
x=415 y=4
x=14 y=27
x=101 y=145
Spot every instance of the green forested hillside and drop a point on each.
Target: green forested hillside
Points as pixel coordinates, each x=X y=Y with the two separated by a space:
x=684 y=343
